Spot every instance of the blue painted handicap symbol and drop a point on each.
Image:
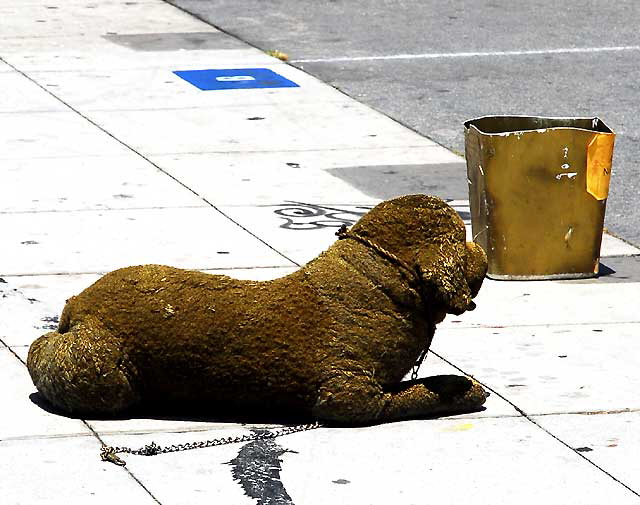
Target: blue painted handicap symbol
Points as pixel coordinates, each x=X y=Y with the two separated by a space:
x=235 y=78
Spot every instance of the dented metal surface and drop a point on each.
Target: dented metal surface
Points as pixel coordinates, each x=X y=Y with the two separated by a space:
x=538 y=189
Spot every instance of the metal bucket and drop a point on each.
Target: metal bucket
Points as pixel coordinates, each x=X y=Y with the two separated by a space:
x=538 y=189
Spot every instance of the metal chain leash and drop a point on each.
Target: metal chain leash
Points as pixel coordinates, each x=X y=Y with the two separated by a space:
x=110 y=453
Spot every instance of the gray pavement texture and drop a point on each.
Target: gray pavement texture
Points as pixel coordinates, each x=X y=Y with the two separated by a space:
x=435 y=94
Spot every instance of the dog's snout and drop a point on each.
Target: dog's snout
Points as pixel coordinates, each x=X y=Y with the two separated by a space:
x=472 y=306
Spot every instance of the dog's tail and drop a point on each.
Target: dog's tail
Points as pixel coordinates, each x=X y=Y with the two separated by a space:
x=81 y=370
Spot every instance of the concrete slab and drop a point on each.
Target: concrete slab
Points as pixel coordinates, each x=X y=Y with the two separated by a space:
x=225 y=181
x=445 y=180
x=299 y=230
x=158 y=88
x=80 y=53
x=259 y=178
x=205 y=474
x=44 y=471
x=112 y=182
x=20 y=94
x=536 y=303
x=619 y=269
x=53 y=134
x=609 y=440
x=228 y=129
x=444 y=461
x=52 y=18
x=613 y=246
x=550 y=368
x=23 y=419
x=53 y=242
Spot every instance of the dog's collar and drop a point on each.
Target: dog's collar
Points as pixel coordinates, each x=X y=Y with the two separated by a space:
x=344 y=232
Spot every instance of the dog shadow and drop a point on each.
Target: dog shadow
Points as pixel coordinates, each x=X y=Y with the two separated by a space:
x=446 y=384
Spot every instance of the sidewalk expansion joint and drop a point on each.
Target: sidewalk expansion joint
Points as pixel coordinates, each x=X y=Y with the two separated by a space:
x=124 y=468
x=529 y=417
x=451 y=326
x=105 y=209
x=48 y=437
x=102 y=272
x=587 y=412
x=10 y=348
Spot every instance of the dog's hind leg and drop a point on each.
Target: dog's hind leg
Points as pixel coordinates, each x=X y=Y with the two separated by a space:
x=352 y=397
x=82 y=370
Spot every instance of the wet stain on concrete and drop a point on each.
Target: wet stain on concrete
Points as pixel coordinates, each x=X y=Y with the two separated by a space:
x=446 y=180
x=257 y=469
x=187 y=41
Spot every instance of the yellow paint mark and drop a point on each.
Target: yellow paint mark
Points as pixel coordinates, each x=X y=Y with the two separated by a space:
x=599 y=155
x=459 y=427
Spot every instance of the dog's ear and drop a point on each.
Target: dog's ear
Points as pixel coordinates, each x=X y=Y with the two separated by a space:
x=442 y=268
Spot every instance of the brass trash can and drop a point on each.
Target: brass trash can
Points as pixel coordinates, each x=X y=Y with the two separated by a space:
x=538 y=188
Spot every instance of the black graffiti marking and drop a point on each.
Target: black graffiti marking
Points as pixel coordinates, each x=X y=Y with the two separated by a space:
x=49 y=319
x=308 y=216
x=15 y=292
x=257 y=469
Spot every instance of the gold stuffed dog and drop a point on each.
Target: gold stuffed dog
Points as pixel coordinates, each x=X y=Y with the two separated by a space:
x=333 y=340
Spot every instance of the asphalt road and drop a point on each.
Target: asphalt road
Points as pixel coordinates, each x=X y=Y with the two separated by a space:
x=432 y=65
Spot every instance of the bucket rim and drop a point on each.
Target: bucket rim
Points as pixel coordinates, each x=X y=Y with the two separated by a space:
x=599 y=126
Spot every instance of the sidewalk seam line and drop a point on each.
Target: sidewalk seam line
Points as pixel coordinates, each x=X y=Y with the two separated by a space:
x=131 y=474
x=533 y=421
x=122 y=143
x=547 y=325
x=103 y=272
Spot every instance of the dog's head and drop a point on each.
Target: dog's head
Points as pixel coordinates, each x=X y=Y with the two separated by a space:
x=430 y=237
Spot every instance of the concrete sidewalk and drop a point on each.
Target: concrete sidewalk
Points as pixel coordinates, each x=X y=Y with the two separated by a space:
x=108 y=158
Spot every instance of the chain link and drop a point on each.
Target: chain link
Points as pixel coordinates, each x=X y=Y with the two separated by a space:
x=110 y=454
